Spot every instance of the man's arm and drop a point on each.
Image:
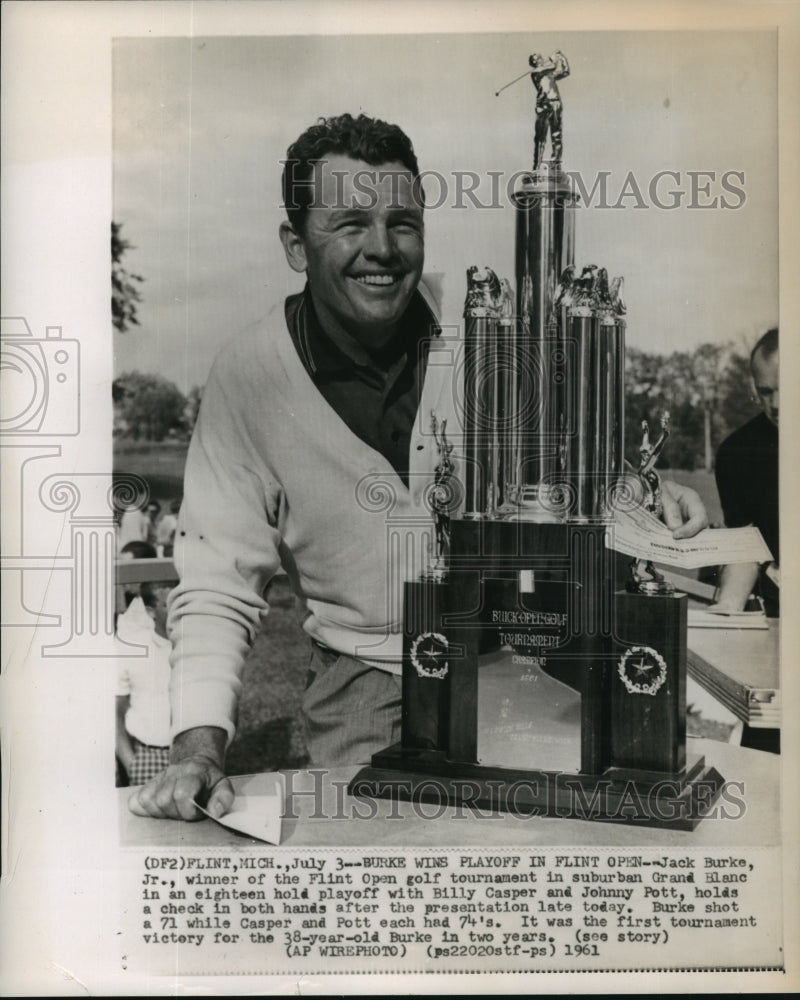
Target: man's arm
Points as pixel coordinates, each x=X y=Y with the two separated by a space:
x=195 y=774
x=227 y=550
x=738 y=579
x=736 y=585
x=561 y=65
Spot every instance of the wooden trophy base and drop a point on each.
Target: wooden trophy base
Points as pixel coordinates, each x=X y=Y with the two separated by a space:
x=526 y=606
x=672 y=802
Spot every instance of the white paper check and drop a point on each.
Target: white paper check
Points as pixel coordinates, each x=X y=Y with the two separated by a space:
x=639 y=533
x=257 y=810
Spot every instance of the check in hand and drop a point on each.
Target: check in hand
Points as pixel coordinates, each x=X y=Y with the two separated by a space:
x=684 y=511
x=195 y=774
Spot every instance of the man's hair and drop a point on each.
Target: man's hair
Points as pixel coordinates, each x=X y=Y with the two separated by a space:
x=368 y=139
x=766 y=346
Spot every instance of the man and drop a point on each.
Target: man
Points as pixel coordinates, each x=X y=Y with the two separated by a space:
x=134 y=526
x=298 y=426
x=166 y=528
x=747 y=481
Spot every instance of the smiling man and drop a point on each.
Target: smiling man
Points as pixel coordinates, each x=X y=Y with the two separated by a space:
x=295 y=417
x=361 y=243
x=301 y=420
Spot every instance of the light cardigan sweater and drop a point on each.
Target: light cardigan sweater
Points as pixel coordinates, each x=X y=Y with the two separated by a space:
x=275 y=478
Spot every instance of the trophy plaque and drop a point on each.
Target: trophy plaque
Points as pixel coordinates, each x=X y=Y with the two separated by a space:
x=537 y=677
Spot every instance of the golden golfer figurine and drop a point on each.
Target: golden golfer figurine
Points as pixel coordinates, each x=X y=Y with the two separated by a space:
x=548 y=104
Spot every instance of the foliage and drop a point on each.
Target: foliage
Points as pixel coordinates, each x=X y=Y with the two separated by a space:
x=147 y=406
x=736 y=395
x=125 y=294
x=712 y=378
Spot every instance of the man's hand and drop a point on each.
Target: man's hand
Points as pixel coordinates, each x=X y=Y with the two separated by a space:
x=684 y=512
x=195 y=774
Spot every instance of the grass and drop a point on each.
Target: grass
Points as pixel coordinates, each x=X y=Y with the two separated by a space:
x=269 y=731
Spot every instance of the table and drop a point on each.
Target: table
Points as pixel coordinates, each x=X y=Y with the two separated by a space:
x=740 y=668
x=342 y=821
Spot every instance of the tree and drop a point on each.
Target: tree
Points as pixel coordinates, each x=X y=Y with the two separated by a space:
x=147 y=406
x=709 y=364
x=125 y=294
x=705 y=392
x=736 y=395
x=658 y=384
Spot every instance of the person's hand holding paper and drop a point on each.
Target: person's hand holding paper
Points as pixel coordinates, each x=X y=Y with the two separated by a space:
x=640 y=534
x=684 y=513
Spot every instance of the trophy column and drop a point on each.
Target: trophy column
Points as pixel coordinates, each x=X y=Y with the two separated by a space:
x=425 y=667
x=426 y=680
x=545 y=224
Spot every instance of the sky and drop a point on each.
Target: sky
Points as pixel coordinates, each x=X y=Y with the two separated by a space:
x=201 y=124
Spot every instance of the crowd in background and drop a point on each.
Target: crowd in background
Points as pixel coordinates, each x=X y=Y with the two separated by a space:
x=142 y=703
x=145 y=532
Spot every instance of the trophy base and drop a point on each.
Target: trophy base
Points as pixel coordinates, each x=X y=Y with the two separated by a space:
x=618 y=795
x=536 y=603
x=539 y=504
x=652 y=588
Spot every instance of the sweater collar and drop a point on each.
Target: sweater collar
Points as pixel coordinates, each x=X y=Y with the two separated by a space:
x=321 y=356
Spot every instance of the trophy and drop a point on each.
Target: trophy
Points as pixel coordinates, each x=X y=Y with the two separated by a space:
x=532 y=681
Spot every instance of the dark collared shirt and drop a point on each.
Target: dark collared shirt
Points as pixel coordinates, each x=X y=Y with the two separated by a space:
x=377 y=399
x=747 y=481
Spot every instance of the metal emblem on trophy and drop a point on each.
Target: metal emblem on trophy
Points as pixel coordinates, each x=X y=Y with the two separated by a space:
x=533 y=680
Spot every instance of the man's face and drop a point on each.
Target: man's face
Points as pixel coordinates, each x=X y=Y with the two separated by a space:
x=765 y=380
x=363 y=248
